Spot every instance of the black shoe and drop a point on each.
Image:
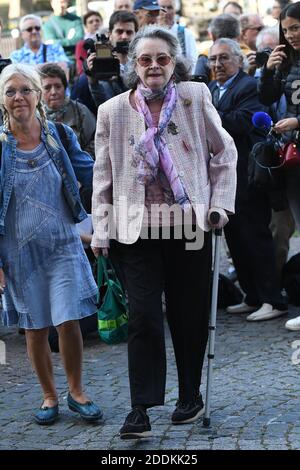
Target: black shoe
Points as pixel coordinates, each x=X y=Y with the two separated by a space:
x=137 y=425
x=188 y=412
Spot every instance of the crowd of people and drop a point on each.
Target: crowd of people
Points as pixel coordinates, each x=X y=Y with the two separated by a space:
x=132 y=124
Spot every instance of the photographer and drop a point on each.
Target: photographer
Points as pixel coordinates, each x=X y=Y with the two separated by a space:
x=122 y=28
x=266 y=41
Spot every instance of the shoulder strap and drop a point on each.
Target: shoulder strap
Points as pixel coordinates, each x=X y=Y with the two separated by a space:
x=45 y=53
x=181 y=38
x=62 y=134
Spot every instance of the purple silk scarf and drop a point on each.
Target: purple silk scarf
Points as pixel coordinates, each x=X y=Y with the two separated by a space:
x=152 y=148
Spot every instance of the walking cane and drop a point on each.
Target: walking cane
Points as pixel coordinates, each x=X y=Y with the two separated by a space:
x=214 y=219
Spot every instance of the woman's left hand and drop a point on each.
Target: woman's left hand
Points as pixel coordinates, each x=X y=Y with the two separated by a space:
x=100 y=251
x=286 y=125
x=222 y=220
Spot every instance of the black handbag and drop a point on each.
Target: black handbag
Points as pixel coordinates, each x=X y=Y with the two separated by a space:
x=266 y=171
x=267 y=164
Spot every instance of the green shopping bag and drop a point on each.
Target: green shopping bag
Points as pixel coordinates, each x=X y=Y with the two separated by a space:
x=113 y=312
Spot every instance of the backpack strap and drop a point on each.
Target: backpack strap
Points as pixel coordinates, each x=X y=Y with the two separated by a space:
x=62 y=135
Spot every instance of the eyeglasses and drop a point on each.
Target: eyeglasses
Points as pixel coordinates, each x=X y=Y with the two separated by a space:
x=255 y=28
x=25 y=91
x=221 y=58
x=146 y=60
x=32 y=28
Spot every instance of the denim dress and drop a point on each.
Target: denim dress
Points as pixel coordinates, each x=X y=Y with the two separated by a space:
x=48 y=277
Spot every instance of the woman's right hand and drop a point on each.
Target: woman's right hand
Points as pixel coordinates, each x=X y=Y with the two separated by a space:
x=2 y=281
x=90 y=60
x=276 y=57
x=100 y=251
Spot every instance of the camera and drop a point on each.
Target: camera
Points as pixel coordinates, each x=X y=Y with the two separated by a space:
x=262 y=57
x=105 y=65
x=4 y=63
x=122 y=47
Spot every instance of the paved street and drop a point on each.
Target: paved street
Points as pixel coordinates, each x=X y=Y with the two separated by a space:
x=255 y=403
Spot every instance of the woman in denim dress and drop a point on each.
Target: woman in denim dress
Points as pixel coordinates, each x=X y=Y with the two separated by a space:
x=45 y=276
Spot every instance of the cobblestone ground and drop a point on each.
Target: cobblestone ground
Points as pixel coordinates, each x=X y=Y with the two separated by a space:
x=255 y=402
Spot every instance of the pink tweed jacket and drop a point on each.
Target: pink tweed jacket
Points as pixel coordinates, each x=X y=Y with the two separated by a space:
x=203 y=153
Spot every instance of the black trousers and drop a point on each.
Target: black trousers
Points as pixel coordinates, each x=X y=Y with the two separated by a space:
x=252 y=249
x=150 y=267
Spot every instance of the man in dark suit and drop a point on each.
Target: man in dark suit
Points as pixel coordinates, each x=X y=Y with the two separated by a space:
x=249 y=239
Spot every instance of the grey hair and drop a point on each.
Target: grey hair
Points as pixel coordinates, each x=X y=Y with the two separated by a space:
x=29 y=17
x=29 y=72
x=234 y=48
x=224 y=26
x=182 y=66
x=266 y=31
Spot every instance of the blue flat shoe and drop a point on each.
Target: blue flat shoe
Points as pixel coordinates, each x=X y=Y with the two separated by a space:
x=88 y=411
x=46 y=415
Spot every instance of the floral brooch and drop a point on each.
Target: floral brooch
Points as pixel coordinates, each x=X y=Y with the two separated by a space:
x=187 y=102
x=172 y=128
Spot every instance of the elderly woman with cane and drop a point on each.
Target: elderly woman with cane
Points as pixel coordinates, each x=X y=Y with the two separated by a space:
x=163 y=164
x=44 y=273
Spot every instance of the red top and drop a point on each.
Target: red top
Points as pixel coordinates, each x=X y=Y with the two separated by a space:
x=80 y=52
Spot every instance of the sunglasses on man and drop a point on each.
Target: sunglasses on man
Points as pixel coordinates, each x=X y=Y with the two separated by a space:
x=32 y=28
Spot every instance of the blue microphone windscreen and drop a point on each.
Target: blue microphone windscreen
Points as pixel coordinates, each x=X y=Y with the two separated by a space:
x=261 y=120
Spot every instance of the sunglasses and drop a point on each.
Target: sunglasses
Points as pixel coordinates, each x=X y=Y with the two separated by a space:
x=32 y=28
x=146 y=60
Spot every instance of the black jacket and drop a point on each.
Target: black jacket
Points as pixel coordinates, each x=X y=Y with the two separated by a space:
x=272 y=84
